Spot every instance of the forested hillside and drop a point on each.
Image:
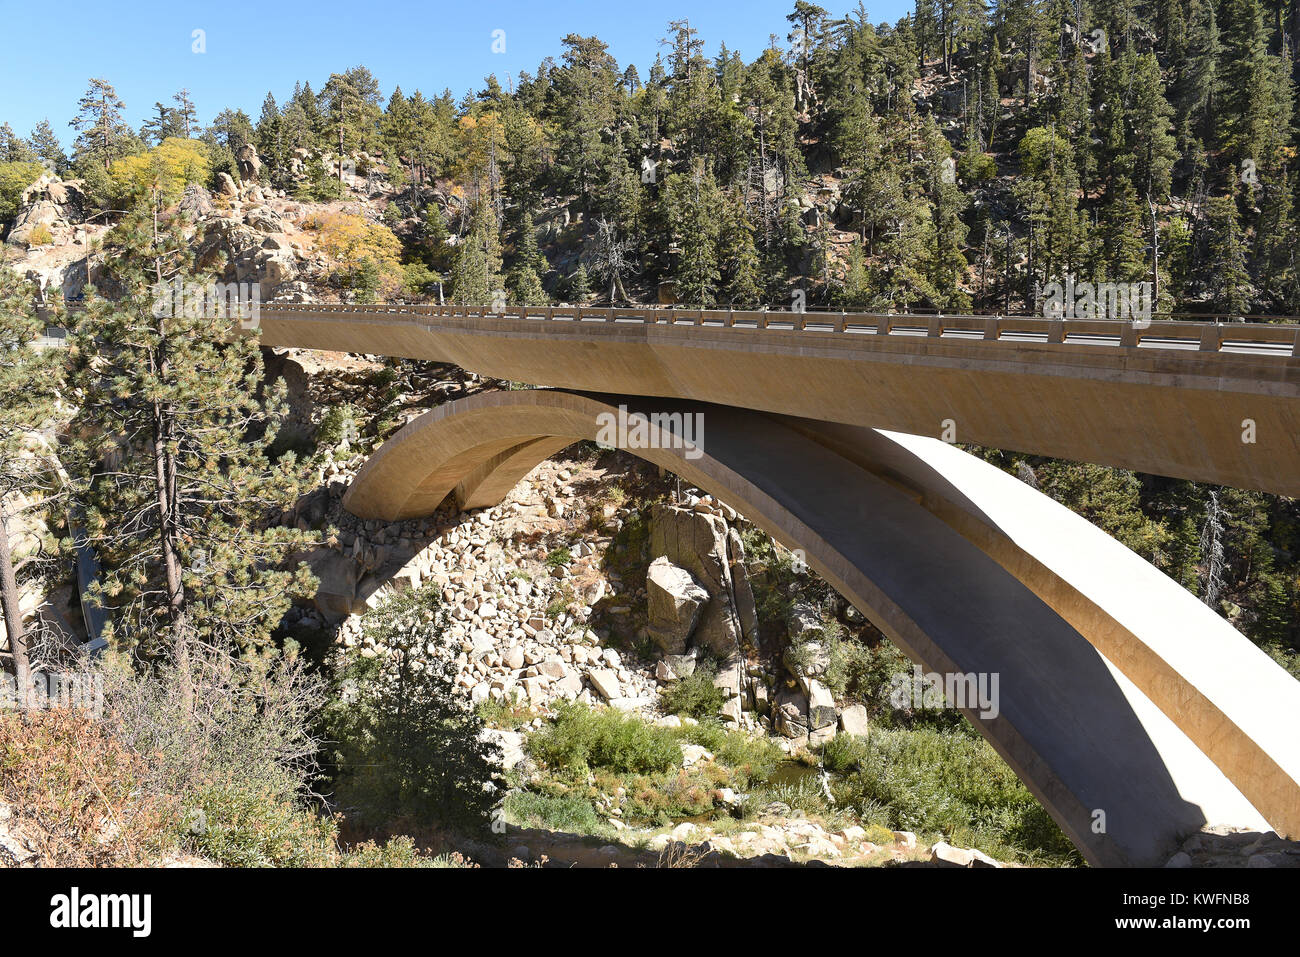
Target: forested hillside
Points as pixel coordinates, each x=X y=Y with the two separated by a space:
x=958 y=159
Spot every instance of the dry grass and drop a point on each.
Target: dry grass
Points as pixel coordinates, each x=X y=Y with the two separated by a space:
x=75 y=793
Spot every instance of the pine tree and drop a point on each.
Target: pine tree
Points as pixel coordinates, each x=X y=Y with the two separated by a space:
x=47 y=147
x=351 y=102
x=29 y=387
x=948 y=265
x=857 y=291
x=690 y=202
x=102 y=134
x=15 y=149
x=409 y=743
x=525 y=279
x=1228 y=281
x=476 y=277
x=738 y=256
x=270 y=140
x=1200 y=84
x=579 y=286
x=186 y=114
x=171 y=466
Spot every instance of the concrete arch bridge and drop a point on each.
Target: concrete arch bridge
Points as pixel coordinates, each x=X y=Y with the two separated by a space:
x=1131 y=710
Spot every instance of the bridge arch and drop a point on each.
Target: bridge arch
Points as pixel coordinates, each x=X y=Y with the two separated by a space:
x=934 y=572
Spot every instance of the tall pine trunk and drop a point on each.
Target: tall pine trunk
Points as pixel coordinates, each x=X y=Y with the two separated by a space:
x=13 y=615
x=164 y=458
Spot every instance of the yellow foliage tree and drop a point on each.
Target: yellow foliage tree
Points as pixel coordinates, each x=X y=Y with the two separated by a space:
x=482 y=147
x=367 y=256
x=162 y=172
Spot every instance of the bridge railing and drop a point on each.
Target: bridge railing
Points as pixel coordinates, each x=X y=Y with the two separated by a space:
x=1203 y=336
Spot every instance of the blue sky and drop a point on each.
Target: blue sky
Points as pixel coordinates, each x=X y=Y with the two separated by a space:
x=144 y=47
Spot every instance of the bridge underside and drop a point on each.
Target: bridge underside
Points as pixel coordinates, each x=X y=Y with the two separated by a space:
x=1119 y=692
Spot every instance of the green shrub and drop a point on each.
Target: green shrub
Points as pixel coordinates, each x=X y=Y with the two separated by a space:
x=695 y=695
x=568 y=813
x=14 y=178
x=947 y=782
x=341 y=425
x=581 y=739
x=843 y=753
x=419 y=279
x=250 y=824
x=749 y=759
x=974 y=166
x=409 y=744
x=559 y=557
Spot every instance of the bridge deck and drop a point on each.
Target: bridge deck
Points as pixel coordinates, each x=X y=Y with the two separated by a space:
x=1216 y=403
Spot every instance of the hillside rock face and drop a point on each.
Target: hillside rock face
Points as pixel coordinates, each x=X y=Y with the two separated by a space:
x=50 y=202
x=250 y=245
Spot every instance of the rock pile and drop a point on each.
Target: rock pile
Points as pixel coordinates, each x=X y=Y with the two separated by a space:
x=56 y=204
x=1220 y=846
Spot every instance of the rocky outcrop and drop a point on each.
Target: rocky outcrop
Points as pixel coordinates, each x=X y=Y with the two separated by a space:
x=52 y=203
x=250 y=165
x=698 y=542
x=196 y=203
x=675 y=601
x=252 y=248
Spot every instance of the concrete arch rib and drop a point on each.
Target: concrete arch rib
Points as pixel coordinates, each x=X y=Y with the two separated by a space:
x=1233 y=701
x=1079 y=734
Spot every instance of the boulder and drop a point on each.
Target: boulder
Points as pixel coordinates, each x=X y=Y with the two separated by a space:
x=698 y=542
x=821 y=707
x=264 y=220
x=945 y=855
x=338 y=576
x=694 y=753
x=226 y=186
x=790 y=714
x=731 y=710
x=568 y=687
x=606 y=682
x=250 y=165
x=674 y=602
x=853 y=720
x=196 y=203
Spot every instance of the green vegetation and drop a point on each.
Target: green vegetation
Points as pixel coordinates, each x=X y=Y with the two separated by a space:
x=559 y=557
x=408 y=744
x=944 y=782
x=965 y=157
x=695 y=695
x=581 y=739
x=941 y=783
x=14 y=178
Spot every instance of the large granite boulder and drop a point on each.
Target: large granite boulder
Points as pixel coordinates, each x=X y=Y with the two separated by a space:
x=675 y=601
x=250 y=165
x=699 y=543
